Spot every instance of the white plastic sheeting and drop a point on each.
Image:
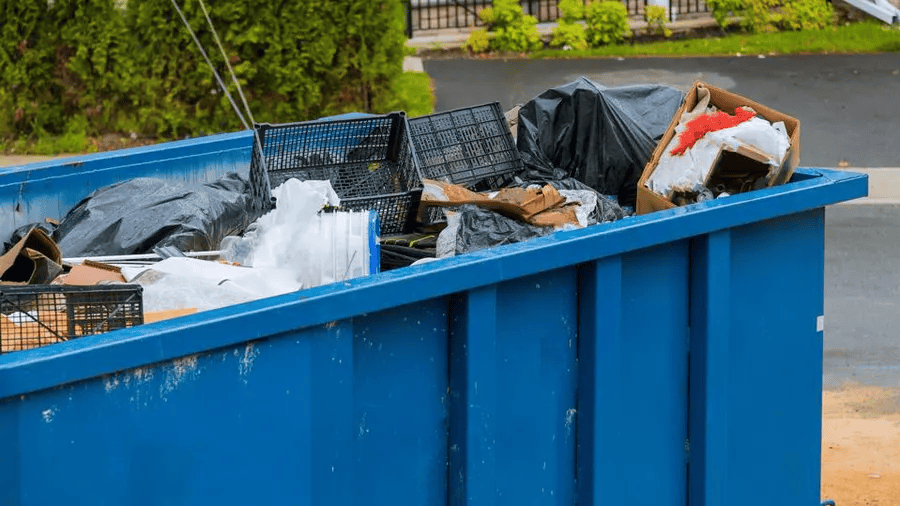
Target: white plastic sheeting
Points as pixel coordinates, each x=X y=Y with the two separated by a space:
x=690 y=170
x=292 y=247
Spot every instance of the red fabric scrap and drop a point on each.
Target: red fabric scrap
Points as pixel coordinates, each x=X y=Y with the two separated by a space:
x=696 y=128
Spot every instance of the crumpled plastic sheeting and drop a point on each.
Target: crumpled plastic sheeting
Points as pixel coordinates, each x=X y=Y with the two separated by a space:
x=601 y=136
x=134 y=216
x=293 y=246
x=181 y=282
x=689 y=171
x=314 y=248
x=20 y=233
x=473 y=228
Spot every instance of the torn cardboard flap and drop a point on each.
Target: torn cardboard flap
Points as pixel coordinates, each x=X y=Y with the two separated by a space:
x=156 y=316
x=518 y=203
x=93 y=274
x=35 y=259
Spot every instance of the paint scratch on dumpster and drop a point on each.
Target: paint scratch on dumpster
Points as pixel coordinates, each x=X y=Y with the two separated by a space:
x=245 y=364
x=363 y=428
x=137 y=376
x=570 y=420
x=180 y=370
x=111 y=383
x=48 y=414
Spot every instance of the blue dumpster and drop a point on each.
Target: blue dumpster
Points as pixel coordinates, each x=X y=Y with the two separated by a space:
x=667 y=359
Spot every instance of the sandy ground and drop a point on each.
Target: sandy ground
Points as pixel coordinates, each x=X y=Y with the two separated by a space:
x=861 y=446
x=9 y=160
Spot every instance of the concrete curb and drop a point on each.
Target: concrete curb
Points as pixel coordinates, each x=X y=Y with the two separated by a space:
x=884 y=186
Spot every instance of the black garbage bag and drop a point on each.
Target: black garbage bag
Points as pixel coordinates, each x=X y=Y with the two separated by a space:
x=601 y=136
x=134 y=216
x=477 y=228
x=19 y=233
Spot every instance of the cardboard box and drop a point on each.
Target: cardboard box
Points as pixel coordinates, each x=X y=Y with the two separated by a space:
x=92 y=274
x=649 y=201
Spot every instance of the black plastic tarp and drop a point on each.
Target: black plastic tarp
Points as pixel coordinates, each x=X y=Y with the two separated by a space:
x=479 y=228
x=134 y=216
x=601 y=136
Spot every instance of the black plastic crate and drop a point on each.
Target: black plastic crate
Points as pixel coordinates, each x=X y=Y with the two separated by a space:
x=38 y=315
x=471 y=146
x=369 y=161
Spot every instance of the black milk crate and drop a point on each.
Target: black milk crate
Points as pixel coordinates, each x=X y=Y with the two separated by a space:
x=471 y=146
x=38 y=315
x=369 y=161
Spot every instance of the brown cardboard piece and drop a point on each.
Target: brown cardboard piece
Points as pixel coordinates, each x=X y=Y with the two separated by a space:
x=517 y=203
x=155 y=316
x=35 y=259
x=29 y=334
x=85 y=274
x=649 y=201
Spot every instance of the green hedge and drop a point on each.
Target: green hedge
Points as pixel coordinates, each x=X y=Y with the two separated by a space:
x=117 y=66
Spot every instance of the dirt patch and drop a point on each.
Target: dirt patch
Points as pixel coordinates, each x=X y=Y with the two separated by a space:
x=861 y=446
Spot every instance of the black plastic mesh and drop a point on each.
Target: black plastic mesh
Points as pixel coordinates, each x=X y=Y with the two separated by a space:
x=471 y=146
x=38 y=315
x=369 y=162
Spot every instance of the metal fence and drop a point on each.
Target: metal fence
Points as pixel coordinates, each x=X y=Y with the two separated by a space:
x=424 y=15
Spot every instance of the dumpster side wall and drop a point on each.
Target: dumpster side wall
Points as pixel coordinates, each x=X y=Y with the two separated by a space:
x=34 y=192
x=756 y=363
x=352 y=412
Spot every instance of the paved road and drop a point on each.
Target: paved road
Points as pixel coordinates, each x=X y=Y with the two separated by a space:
x=862 y=294
x=848 y=106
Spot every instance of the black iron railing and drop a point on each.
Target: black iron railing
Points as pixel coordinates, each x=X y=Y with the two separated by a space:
x=422 y=15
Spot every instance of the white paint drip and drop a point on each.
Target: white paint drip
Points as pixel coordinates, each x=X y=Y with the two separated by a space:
x=570 y=419
x=111 y=383
x=363 y=428
x=245 y=365
x=134 y=377
x=180 y=370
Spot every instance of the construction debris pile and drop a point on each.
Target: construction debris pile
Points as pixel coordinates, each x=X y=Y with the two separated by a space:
x=332 y=200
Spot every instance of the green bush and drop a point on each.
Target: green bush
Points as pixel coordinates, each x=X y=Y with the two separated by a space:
x=107 y=66
x=572 y=10
x=656 y=18
x=766 y=16
x=479 y=41
x=510 y=29
x=755 y=15
x=569 y=35
x=27 y=95
x=760 y=16
x=607 y=22
x=724 y=11
x=807 y=14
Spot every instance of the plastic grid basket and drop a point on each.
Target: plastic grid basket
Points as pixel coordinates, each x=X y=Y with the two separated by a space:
x=38 y=315
x=369 y=161
x=471 y=146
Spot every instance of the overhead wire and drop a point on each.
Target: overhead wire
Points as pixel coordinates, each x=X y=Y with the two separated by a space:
x=256 y=138
x=208 y=62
